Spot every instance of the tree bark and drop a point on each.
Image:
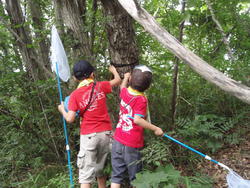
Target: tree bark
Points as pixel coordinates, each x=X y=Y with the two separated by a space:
x=73 y=19
x=123 y=49
x=208 y=72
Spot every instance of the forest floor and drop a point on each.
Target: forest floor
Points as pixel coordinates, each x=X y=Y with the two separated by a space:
x=237 y=158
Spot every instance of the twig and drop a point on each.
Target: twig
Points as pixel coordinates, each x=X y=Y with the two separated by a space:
x=186 y=101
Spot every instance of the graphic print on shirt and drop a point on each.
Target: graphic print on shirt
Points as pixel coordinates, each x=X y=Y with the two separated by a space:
x=94 y=104
x=125 y=122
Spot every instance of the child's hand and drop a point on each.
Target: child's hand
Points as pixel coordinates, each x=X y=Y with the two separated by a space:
x=112 y=69
x=116 y=80
x=158 y=132
x=127 y=75
x=61 y=107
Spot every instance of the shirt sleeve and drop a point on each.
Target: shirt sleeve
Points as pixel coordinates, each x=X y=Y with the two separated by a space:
x=72 y=106
x=140 y=108
x=106 y=87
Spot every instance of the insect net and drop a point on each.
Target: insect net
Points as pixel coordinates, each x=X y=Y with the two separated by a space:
x=234 y=180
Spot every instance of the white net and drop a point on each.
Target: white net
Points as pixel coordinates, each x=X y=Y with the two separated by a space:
x=58 y=56
x=236 y=181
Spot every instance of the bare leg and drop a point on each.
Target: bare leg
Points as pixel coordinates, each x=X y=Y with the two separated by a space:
x=85 y=185
x=101 y=182
x=115 y=185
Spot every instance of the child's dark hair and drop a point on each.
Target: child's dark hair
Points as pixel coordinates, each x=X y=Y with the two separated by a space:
x=140 y=78
x=82 y=70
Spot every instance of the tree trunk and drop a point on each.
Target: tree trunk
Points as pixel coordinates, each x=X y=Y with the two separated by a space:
x=38 y=24
x=73 y=19
x=21 y=33
x=58 y=16
x=196 y=63
x=123 y=50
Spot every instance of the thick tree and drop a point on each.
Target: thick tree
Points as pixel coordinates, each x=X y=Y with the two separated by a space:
x=123 y=49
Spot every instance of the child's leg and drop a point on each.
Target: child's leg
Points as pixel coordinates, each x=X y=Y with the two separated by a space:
x=103 y=150
x=119 y=168
x=115 y=185
x=85 y=185
x=133 y=161
x=101 y=182
x=86 y=160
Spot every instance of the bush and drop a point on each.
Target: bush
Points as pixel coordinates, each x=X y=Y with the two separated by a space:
x=168 y=177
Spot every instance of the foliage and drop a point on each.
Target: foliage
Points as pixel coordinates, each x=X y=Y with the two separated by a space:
x=47 y=177
x=25 y=139
x=155 y=153
x=209 y=132
x=168 y=177
x=60 y=180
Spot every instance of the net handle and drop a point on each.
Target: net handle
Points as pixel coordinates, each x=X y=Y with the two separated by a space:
x=195 y=151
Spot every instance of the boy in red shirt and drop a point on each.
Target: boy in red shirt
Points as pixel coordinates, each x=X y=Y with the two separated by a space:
x=128 y=139
x=89 y=99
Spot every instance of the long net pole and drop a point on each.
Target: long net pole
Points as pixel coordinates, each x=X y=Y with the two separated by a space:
x=65 y=130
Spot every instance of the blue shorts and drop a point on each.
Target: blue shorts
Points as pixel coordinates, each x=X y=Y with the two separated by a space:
x=126 y=162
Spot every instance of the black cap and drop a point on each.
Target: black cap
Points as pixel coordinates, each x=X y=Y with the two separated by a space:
x=82 y=70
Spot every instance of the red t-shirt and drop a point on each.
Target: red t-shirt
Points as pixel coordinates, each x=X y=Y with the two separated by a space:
x=127 y=132
x=96 y=117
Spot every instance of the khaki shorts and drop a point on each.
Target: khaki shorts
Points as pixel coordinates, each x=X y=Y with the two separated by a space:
x=94 y=149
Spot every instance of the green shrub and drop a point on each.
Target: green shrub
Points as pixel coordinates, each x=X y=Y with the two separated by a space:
x=168 y=177
x=208 y=132
x=155 y=153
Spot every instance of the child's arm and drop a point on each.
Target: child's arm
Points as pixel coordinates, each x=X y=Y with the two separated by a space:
x=68 y=116
x=125 y=80
x=116 y=81
x=142 y=122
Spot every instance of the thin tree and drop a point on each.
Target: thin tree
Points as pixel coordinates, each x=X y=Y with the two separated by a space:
x=176 y=69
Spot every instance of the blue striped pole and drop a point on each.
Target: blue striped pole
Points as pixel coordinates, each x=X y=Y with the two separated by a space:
x=195 y=151
x=65 y=130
